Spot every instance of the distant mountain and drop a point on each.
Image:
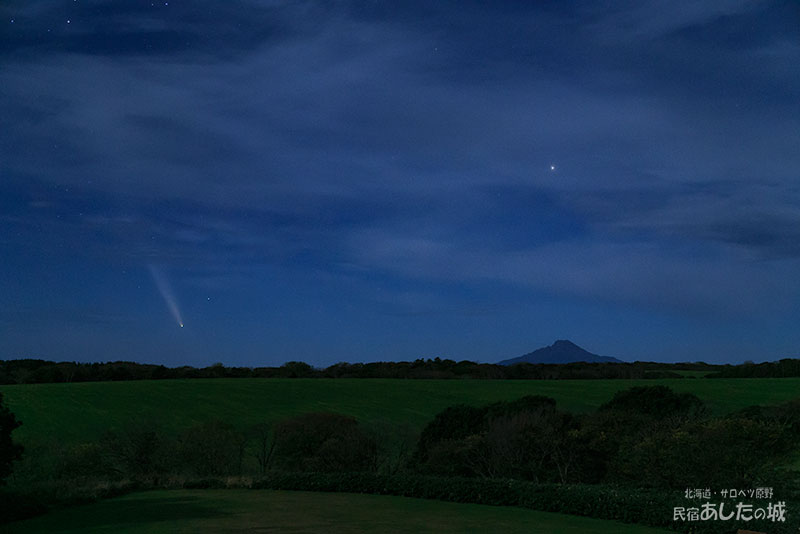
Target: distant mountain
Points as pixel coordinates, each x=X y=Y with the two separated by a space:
x=562 y=351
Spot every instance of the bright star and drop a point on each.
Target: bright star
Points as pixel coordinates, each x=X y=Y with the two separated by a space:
x=552 y=167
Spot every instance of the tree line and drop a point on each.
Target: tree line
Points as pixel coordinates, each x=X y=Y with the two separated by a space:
x=784 y=368
x=32 y=371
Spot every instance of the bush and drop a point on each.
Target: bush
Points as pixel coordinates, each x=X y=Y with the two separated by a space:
x=721 y=453
x=394 y=442
x=325 y=442
x=214 y=448
x=80 y=461
x=452 y=424
x=9 y=451
x=138 y=450
x=461 y=421
x=263 y=448
x=527 y=438
x=655 y=402
x=631 y=417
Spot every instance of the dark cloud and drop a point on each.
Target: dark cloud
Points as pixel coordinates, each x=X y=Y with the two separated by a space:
x=132 y=28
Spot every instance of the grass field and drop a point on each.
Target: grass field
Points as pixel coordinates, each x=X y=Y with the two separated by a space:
x=692 y=374
x=241 y=511
x=82 y=411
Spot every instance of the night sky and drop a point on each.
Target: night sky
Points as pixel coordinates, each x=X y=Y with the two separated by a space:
x=335 y=181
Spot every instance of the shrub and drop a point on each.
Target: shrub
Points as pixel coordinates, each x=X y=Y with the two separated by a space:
x=451 y=424
x=722 y=453
x=138 y=450
x=326 y=442
x=461 y=421
x=214 y=448
x=527 y=438
x=655 y=402
x=9 y=451
x=263 y=438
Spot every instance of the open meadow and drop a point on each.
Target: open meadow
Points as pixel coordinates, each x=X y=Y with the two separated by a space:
x=76 y=412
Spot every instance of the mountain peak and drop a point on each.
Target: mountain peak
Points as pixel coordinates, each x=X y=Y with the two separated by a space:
x=561 y=351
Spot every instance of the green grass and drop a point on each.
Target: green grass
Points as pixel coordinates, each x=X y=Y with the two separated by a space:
x=241 y=511
x=693 y=374
x=66 y=413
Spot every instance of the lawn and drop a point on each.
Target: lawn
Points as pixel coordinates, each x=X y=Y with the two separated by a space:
x=261 y=511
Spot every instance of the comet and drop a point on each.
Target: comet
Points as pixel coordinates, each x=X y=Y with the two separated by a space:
x=165 y=289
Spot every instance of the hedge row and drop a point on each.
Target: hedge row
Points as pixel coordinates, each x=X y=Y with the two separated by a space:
x=649 y=507
x=645 y=507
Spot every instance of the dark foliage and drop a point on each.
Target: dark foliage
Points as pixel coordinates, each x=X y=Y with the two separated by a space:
x=9 y=451
x=41 y=371
x=138 y=450
x=325 y=442
x=644 y=436
x=263 y=448
x=452 y=424
x=787 y=415
x=716 y=453
x=780 y=369
x=461 y=421
x=527 y=438
x=655 y=403
x=211 y=449
x=297 y=370
x=632 y=416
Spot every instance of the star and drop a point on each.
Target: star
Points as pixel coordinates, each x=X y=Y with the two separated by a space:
x=552 y=167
